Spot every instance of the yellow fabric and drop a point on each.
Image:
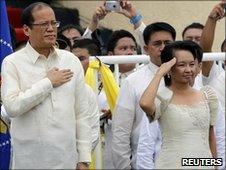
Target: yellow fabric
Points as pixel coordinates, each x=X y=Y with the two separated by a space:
x=90 y=76
x=110 y=86
x=3 y=127
x=92 y=165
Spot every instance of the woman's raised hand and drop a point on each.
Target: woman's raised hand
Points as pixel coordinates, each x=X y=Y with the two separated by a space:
x=165 y=67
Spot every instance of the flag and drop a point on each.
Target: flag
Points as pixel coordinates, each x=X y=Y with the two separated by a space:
x=5 y=146
x=5 y=49
x=5 y=39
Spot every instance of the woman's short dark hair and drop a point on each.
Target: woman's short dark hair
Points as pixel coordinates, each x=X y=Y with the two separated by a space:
x=116 y=36
x=168 y=53
x=27 y=17
x=156 y=27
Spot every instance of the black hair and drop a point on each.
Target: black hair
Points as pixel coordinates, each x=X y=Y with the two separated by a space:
x=71 y=26
x=168 y=53
x=156 y=27
x=222 y=45
x=27 y=17
x=101 y=36
x=116 y=36
x=88 y=44
x=63 y=42
x=193 y=25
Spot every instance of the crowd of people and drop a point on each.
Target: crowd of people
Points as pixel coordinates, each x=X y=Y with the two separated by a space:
x=169 y=109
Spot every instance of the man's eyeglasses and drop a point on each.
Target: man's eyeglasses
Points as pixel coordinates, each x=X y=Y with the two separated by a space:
x=44 y=25
x=159 y=43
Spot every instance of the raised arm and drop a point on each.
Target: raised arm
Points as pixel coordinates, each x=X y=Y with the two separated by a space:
x=98 y=15
x=129 y=11
x=148 y=97
x=207 y=37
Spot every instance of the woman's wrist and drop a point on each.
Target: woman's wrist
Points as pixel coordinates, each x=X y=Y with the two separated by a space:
x=159 y=74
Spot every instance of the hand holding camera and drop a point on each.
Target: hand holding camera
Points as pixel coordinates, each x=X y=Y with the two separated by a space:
x=218 y=12
x=113 y=6
x=122 y=7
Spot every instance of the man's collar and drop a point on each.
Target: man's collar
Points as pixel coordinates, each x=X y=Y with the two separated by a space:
x=153 y=67
x=34 y=55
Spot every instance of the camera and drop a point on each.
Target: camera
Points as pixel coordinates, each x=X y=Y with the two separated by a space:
x=112 y=6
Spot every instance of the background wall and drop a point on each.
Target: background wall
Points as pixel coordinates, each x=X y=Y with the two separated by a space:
x=177 y=13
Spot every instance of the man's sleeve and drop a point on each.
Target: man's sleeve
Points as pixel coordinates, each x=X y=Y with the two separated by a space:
x=122 y=124
x=214 y=73
x=139 y=31
x=220 y=135
x=15 y=100
x=83 y=129
x=94 y=116
x=87 y=33
x=146 y=145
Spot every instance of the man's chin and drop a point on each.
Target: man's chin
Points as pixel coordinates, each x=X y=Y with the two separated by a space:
x=51 y=43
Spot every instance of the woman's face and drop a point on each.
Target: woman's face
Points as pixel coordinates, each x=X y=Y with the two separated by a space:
x=184 y=71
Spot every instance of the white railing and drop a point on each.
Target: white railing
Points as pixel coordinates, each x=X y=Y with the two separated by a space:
x=213 y=56
x=119 y=59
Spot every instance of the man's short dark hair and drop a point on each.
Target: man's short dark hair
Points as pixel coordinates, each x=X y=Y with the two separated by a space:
x=116 y=36
x=193 y=25
x=168 y=53
x=71 y=26
x=88 y=44
x=156 y=27
x=27 y=17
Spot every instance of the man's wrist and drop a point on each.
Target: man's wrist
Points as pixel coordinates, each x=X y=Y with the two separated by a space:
x=136 y=19
x=212 y=18
x=93 y=25
x=133 y=13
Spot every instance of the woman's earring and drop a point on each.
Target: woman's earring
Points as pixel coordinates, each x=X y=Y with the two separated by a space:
x=168 y=75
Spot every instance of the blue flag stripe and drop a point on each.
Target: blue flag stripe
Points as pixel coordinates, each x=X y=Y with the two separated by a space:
x=5 y=49
x=5 y=39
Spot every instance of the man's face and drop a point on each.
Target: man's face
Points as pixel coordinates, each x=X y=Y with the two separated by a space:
x=193 y=34
x=72 y=34
x=156 y=44
x=83 y=56
x=125 y=46
x=42 y=33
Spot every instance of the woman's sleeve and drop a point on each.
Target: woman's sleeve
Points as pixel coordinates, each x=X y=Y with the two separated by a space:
x=162 y=101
